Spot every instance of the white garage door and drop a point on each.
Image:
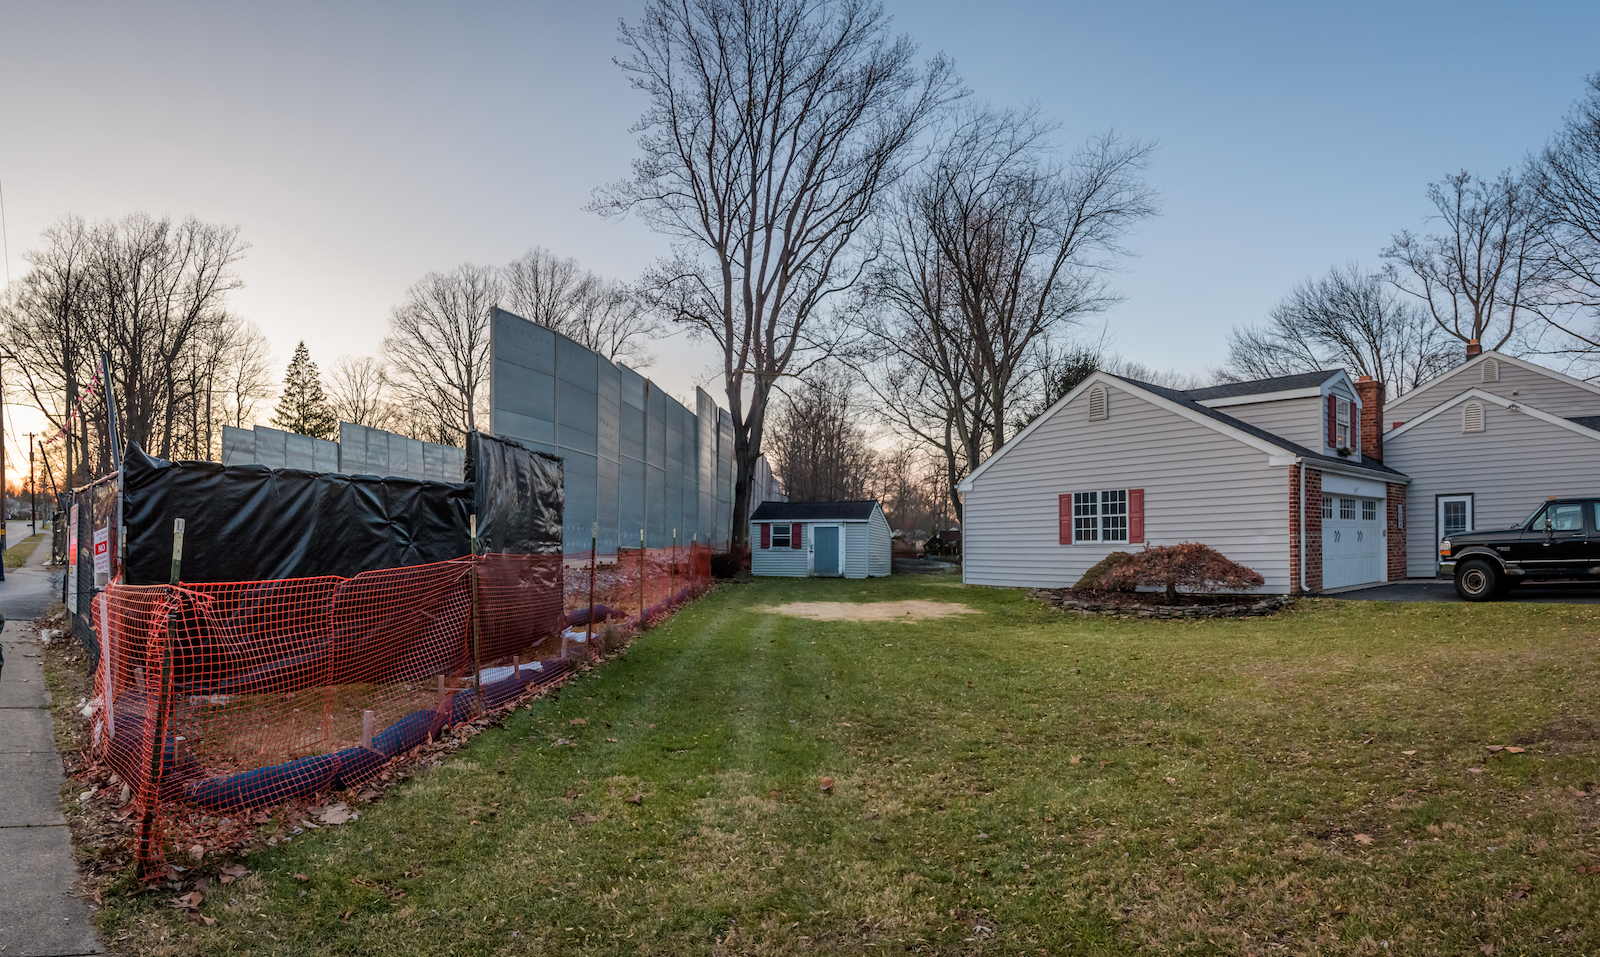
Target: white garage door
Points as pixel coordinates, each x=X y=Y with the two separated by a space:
x=1352 y=541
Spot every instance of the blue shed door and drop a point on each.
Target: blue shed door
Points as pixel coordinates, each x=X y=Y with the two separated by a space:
x=825 y=559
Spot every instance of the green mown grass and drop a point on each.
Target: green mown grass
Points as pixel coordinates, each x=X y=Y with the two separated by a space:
x=1013 y=781
x=17 y=555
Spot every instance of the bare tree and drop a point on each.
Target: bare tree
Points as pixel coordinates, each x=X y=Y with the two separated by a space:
x=247 y=378
x=911 y=486
x=1345 y=319
x=1566 y=181
x=991 y=253
x=149 y=293
x=1485 y=268
x=816 y=442
x=358 y=392
x=773 y=127
x=603 y=315
x=438 y=351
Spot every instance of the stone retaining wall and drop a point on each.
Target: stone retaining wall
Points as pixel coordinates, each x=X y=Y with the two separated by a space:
x=1064 y=599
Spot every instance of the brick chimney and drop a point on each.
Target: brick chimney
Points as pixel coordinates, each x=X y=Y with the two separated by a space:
x=1371 y=392
x=1473 y=348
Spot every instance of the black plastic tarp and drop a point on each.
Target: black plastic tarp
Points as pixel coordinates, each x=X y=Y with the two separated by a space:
x=252 y=523
x=518 y=496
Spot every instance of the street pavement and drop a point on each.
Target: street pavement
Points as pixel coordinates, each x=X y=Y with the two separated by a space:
x=1434 y=590
x=39 y=914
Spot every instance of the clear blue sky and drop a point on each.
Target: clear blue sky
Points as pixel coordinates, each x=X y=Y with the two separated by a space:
x=360 y=145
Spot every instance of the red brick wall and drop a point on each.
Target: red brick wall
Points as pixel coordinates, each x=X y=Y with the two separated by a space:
x=1397 y=535
x=1312 y=540
x=1371 y=392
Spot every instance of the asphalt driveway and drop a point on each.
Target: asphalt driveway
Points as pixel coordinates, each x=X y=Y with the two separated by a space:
x=1427 y=589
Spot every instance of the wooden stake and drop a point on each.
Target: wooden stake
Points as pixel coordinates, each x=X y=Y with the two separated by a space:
x=366 y=729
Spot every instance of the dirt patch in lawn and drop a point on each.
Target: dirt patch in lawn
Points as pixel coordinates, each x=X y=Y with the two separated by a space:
x=870 y=611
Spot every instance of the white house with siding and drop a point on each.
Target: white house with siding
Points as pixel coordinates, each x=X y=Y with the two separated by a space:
x=1252 y=469
x=1303 y=478
x=1486 y=443
x=820 y=539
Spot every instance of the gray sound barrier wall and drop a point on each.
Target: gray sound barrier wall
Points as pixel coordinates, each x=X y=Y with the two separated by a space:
x=359 y=451
x=636 y=458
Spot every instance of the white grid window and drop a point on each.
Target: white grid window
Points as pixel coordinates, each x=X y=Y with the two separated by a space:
x=1100 y=516
x=1327 y=507
x=1369 y=511
x=1344 y=424
x=1347 y=508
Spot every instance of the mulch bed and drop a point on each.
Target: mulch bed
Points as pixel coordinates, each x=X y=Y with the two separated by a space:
x=1138 y=605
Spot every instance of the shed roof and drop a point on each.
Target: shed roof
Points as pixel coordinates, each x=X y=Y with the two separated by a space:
x=813 y=511
x=1587 y=421
x=1282 y=383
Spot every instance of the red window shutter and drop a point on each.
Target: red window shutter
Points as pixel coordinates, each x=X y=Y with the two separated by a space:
x=1135 y=515
x=766 y=534
x=794 y=535
x=1064 y=506
x=1333 y=420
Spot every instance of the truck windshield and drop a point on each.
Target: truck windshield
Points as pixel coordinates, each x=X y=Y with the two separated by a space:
x=1532 y=518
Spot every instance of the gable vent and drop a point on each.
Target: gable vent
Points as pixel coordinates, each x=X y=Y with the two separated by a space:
x=1472 y=417
x=1491 y=370
x=1097 y=403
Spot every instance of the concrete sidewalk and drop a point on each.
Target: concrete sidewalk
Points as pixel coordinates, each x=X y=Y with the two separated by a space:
x=39 y=916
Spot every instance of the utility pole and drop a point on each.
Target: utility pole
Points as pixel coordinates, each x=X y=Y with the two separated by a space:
x=33 y=497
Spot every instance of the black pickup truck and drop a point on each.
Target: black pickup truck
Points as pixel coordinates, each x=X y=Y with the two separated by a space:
x=1560 y=540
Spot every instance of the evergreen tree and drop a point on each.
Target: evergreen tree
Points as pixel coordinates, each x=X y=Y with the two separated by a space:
x=304 y=408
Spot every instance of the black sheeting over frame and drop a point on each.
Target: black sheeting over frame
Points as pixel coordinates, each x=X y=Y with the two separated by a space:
x=251 y=523
x=519 y=496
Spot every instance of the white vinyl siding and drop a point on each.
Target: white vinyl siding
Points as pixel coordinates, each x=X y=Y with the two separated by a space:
x=1544 y=392
x=1298 y=420
x=783 y=562
x=880 y=545
x=1200 y=485
x=1517 y=462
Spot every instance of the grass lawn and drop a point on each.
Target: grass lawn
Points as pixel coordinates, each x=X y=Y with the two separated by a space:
x=17 y=555
x=1014 y=781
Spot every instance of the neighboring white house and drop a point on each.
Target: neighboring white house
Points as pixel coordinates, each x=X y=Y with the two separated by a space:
x=1485 y=444
x=1293 y=476
x=822 y=539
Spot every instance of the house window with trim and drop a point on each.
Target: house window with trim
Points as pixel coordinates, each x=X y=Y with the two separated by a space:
x=1327 y=507
x=780 y=535
x=1100 y=516
x=1369 y=511
x=1344 y=425
x=1347 y=509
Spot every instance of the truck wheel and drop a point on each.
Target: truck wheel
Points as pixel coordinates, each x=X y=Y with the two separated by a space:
x=1477 y=581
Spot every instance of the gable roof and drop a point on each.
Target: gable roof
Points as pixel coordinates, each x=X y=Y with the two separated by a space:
x=1479 y=359
x=1282 y=383
x=813 y=511
x=1180 y=403
x=1262 y=434
x=1581 y=424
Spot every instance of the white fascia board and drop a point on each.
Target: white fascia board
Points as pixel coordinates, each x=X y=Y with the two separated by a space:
x=1102 y=378
x=1510 y=405
x=1261 y=397
x=1356 y=471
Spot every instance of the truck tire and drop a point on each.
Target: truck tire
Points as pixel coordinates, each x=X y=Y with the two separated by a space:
x=1478 y=580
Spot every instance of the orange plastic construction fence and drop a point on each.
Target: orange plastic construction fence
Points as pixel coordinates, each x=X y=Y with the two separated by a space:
x=243 y=695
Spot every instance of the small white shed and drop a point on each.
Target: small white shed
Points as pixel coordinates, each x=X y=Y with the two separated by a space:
x=821 y=539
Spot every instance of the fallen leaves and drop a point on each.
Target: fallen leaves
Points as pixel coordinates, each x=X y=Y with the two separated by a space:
x=301 y=878
x=1474 y=770
x=825 y=784
x=232 y=873
x=1589 y=868
x=189 y=901
x=1075 y=759
x=1506 y=748
x=637 y=798
x=337 y=813
x=579 y=721
x=1363 y=838
x=1408 y=753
